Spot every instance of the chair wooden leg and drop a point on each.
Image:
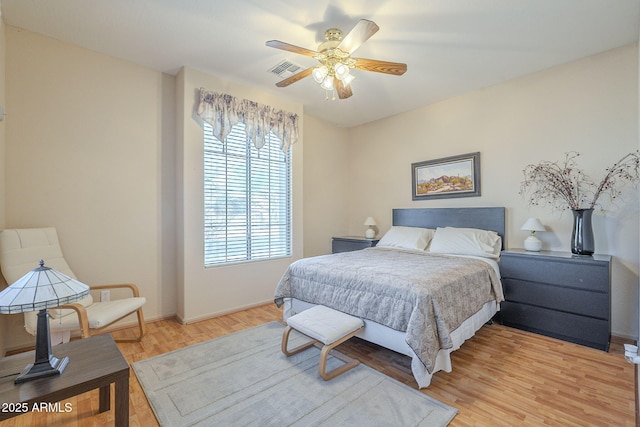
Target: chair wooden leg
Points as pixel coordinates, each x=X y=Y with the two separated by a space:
x=141 y=327
x=285 y=342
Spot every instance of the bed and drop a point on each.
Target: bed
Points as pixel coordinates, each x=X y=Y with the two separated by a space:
x=419 y=303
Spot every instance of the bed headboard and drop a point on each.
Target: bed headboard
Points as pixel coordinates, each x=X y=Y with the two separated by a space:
x=484 y=218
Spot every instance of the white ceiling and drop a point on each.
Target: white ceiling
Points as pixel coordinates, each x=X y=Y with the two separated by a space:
x=450 y=46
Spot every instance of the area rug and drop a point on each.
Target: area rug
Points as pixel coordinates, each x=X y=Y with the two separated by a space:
x=243 y=379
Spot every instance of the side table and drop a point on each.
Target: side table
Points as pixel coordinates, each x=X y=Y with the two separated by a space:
x=94 y=362
x=351 y=243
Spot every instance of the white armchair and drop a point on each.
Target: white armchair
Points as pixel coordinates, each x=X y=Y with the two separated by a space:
x=20 y=252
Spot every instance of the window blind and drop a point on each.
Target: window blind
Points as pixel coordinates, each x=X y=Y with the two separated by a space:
x=247 y=198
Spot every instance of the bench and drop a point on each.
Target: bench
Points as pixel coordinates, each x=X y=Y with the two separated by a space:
x=326 y=327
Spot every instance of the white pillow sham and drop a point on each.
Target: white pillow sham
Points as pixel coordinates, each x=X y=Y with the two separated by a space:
x=466 y=241
x=407 y=238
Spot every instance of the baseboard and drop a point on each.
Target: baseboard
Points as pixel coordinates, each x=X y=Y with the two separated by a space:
x=120 y=326
x=133 y=323
x=220 y=313
x=624 y=336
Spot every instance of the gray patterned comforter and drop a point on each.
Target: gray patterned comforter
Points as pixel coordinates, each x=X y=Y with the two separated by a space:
x=425 y=295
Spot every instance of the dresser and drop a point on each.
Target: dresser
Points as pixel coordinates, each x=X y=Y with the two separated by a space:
x=558 y=294
x=351 y=243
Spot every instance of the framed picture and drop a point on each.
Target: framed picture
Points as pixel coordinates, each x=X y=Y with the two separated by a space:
x=456 y=176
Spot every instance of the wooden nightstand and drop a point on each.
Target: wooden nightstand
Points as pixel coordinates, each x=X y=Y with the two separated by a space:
x=351 y=243
x=558 y=294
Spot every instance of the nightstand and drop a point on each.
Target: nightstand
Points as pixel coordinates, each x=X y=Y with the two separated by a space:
x=351 y=243
x=558 y=294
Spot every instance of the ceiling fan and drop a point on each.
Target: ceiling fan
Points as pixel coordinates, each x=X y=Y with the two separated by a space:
x=335 y=60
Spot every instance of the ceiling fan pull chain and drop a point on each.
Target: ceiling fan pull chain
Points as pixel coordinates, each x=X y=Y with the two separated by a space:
x=333 y=94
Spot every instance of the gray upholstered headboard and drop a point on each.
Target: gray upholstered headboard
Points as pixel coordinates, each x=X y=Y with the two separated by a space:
x=484 y=218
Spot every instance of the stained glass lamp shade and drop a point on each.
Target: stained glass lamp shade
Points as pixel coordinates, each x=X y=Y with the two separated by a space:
x=38 y=290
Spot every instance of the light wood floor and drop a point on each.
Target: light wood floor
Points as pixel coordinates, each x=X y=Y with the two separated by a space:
x=501 y=377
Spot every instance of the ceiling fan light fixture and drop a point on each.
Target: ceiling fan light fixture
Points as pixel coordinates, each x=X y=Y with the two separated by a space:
x=319 y=73
x=327 y=83
x=341 y=70
x=332 y=72
x=346 y=81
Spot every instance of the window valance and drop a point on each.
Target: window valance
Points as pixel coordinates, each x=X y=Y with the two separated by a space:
x=222 y=111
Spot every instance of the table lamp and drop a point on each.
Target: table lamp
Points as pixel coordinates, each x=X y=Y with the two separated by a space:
x=38 y=290
x=370 y=223
x=532 y=243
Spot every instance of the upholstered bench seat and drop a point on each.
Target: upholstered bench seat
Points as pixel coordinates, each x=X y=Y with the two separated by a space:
x=325 y=326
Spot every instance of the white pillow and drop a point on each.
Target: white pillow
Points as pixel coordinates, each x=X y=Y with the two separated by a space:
x=466 y=241
x=407 y=238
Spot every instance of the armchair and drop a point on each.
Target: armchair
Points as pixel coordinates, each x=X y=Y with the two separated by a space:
x=20 y=251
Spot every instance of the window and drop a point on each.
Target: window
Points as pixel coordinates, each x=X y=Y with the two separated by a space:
x=247 y=198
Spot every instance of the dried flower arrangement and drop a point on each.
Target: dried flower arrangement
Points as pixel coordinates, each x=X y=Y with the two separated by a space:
x=564 y=185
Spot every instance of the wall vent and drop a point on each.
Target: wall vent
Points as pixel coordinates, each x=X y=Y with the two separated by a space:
x=285 y=69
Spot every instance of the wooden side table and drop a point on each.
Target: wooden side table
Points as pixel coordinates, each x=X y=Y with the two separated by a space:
x=94 y=362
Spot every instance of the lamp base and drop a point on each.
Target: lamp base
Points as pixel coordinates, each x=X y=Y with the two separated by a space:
x=33 y=371
x=370 y=233
x=532 y=244
x=46 y=364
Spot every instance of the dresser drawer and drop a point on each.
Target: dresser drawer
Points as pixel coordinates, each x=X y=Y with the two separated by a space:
x=565 y=326
x=575 y=301
x=581 y=275
x=348 y=244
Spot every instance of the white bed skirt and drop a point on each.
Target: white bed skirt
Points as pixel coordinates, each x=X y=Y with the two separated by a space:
x=395 y=340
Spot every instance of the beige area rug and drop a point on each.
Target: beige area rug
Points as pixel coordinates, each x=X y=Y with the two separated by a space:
x=243 y=379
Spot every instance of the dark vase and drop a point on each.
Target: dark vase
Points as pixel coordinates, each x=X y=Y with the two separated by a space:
x=582 y=236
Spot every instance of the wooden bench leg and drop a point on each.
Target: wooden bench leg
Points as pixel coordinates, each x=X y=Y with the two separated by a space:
x=349 y=362
x=324 y=354
x=285 y=342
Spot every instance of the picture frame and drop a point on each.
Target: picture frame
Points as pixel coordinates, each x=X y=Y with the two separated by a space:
x=448 y=177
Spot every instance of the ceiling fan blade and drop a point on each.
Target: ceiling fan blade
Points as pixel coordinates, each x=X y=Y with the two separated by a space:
x=395 y=68
x=299 y=76
x=363 y=30
x=291 y=48
x=343 y=91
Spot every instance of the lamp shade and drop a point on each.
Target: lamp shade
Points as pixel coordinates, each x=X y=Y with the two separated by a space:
x=533 y=224
x=327 y=83
x=319 y=73
x=346 y=81
x=532 y=243
x=341 y=70
x=370 y=221
x=39 y=289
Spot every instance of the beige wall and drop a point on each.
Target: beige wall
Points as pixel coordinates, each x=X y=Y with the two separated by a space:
x=326 y=183
x=90 y=150
x=109 y=152
x=204 y=292
x=590 y=106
